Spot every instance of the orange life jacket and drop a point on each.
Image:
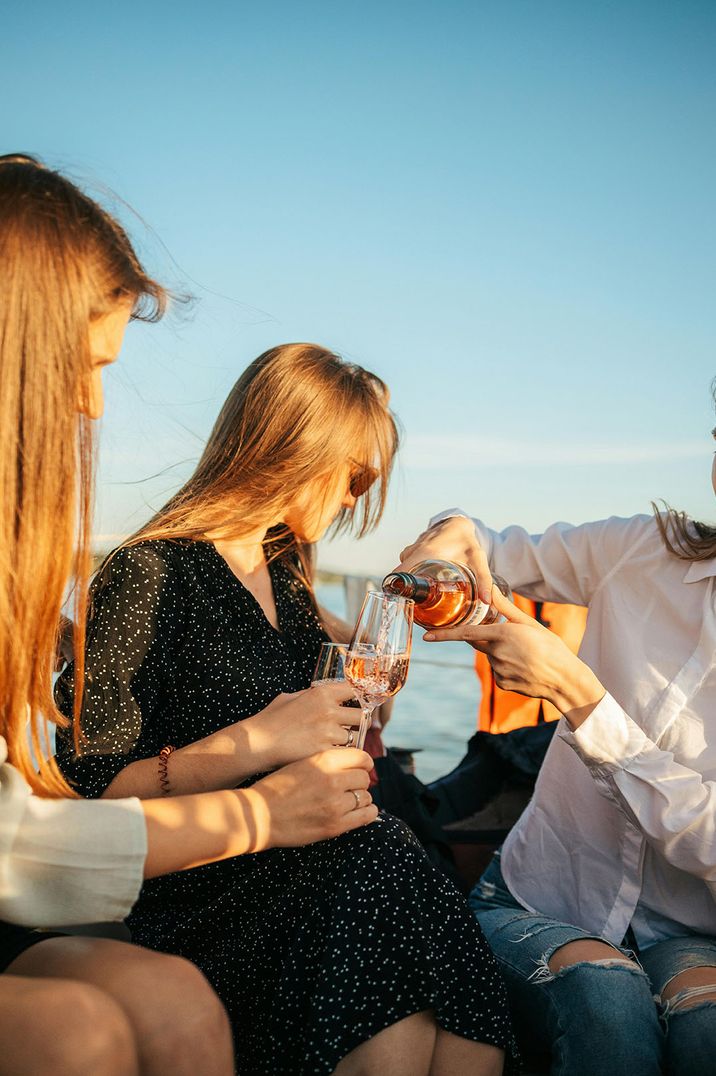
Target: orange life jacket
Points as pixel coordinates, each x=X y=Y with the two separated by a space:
x=502 y=711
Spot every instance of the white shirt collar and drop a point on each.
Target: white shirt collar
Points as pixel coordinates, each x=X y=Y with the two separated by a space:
x=700 y=570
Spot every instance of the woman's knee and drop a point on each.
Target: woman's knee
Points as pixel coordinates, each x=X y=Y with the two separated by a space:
x=605 y=1006
x=604 y=983
x=689 y=1001
x=183 y=1022
x=73 y=1029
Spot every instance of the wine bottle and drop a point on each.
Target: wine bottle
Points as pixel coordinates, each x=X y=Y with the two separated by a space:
x=445 y=594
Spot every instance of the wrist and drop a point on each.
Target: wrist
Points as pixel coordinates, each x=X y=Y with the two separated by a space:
x=258 y=744
x=255 y=813
x=578 y=693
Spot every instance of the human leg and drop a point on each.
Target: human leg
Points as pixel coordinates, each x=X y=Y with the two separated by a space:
x=318 y=950
x=62 y=1027
x=575 y=998
x=403 y=1049
x=456 y=1056
x=178 y=1022
x=415 y=1046
x=683 y=975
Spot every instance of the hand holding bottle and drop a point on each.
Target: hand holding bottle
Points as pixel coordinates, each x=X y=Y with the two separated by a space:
x=451 y=539
x=527 y=658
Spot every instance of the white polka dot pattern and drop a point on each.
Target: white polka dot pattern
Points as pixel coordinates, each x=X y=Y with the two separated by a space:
x=313 y=950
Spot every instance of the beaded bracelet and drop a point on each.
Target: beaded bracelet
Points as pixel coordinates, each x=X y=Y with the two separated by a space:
x=163 y=775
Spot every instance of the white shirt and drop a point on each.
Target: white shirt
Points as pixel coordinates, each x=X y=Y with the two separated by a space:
x=622 y=825
x=65 y=861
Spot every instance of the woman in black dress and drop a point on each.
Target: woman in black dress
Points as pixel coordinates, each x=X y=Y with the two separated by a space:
x=352 y=955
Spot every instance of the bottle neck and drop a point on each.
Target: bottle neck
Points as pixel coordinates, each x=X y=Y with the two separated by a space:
x=406 y=585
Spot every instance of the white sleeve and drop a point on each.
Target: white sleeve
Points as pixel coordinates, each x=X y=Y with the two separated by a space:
x=566 y=563
x=67 y=861
x=673 y=806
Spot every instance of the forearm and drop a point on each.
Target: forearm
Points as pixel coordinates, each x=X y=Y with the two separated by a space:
x=673 y=805
x=222 y=760
x=186 y=831
x=577 y=693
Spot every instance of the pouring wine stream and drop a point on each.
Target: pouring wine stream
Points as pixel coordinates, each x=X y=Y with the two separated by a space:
x=379 y=653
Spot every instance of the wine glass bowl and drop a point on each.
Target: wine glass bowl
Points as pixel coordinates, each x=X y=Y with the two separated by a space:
x=330 y=664
x=378 y=656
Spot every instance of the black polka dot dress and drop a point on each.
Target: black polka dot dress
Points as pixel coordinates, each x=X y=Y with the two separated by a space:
x=313 y=950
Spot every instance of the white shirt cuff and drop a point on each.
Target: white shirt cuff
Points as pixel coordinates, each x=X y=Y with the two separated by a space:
x=608 y=739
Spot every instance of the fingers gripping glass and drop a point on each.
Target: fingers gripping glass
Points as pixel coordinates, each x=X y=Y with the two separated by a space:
x=376 y=664
x=329 y=668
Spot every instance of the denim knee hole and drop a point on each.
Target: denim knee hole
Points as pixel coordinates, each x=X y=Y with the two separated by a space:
x=544 y=974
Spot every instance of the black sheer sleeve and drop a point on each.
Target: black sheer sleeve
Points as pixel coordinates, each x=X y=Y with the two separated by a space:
x=132 y=634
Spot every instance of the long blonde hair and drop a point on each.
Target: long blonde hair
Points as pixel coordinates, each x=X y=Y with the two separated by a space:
x=293 y=416
x=64 y=261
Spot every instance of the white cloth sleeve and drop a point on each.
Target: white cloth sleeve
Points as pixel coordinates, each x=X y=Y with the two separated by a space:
x=566 y=563
x=67 y=861
x=672 y=805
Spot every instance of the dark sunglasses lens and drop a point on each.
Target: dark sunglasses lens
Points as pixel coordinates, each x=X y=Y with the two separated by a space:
x=361 y=482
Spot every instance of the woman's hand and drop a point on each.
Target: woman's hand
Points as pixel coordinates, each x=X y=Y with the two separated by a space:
x=527 y=658
x=452 y=539
x=312 y=800
x=297 y=725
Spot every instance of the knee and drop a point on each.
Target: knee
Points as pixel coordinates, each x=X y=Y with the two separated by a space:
x=689 y=1001
x=609 y=990
x=186 y=1020
x=85 y=1031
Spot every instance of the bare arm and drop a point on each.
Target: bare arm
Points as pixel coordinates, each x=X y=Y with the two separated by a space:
x=72 y=860
x=292 y=727
x=308 y=801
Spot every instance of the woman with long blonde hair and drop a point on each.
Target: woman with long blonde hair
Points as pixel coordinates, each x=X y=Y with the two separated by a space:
x=70 y=1005
x=353 y=955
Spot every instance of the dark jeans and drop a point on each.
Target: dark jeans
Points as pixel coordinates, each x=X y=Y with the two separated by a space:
x=603 y=1018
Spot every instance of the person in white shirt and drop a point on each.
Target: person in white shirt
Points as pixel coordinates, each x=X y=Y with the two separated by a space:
x=76 y=1005
x=601 y=905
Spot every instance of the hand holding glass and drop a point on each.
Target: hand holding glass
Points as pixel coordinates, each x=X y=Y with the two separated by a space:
x=330 y=667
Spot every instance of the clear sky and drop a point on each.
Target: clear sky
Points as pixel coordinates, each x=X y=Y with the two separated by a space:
x=504 y=208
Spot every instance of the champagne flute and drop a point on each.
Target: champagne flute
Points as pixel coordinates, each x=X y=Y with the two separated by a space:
x=331 y=666
x=379 y=652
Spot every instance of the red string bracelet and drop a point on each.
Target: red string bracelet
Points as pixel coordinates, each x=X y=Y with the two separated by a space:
x=163 y=775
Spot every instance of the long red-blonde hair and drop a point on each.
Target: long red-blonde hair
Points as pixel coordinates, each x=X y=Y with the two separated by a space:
x=295 y=415
x=64 y=261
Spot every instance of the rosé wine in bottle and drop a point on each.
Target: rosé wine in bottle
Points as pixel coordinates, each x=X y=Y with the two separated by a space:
x=445 y=594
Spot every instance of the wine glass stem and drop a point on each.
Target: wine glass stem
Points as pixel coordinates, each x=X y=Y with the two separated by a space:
x=366 y=719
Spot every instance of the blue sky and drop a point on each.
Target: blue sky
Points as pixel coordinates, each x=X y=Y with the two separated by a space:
x=506 y=209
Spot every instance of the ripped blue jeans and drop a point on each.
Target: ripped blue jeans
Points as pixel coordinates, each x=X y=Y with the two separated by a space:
x=603 y=1018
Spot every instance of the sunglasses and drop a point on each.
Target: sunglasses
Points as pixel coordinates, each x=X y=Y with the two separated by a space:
x=362 y=480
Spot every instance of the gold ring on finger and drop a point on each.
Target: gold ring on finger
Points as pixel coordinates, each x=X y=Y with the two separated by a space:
x=357 y=799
